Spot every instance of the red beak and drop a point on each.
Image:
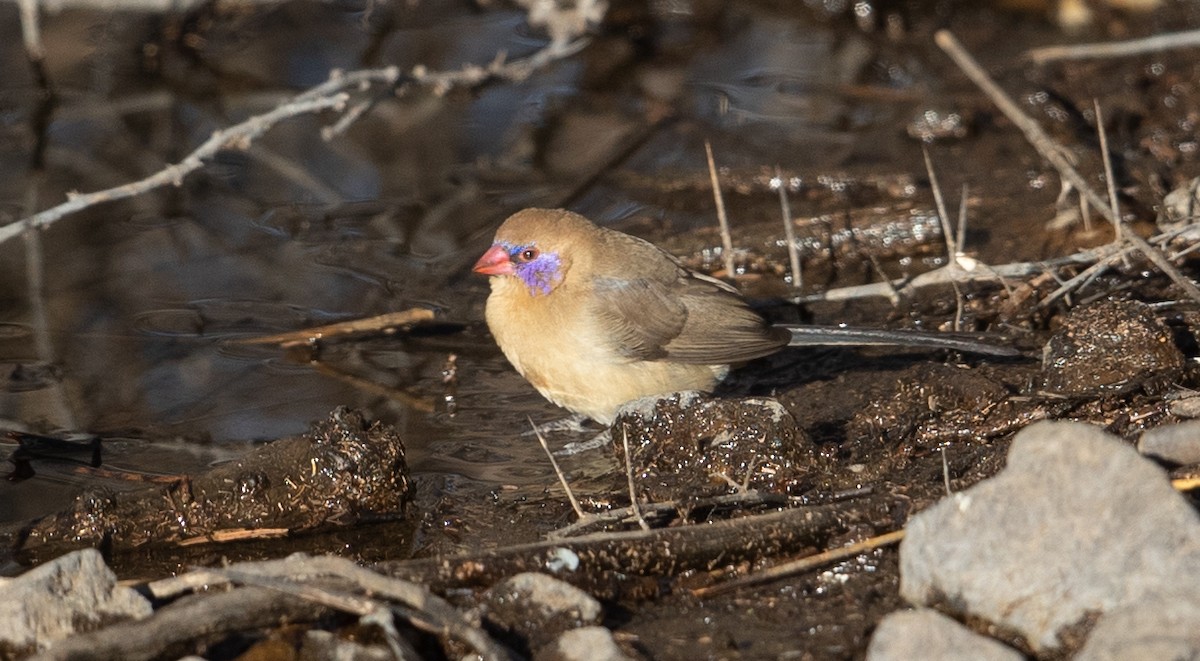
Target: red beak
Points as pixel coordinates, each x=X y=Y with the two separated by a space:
x=495 y=262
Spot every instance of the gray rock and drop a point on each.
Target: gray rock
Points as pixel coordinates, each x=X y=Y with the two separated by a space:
x=927 y=634
x=1179 y=444
x=583 y=644
x=1161 y=627
x=321 y=645
x=1077 y=524
x=1184 y=404
x=74 y=593
x=537 y=608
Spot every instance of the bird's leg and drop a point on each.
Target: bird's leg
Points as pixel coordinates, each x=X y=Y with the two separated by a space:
x=572 y=423
x=598 y=441
x=575 y=424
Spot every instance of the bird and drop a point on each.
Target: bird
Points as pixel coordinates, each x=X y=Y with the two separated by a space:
x=594 y=318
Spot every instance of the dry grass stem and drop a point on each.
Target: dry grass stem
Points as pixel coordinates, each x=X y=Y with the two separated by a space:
x=1157 y=43
x=1052 y=152
x=383 y=323
x=940 y=201
x=789 y=232
x=722 y=218
x=334 y=94
x=633 y=499
x=562 y=479
x=802 y=565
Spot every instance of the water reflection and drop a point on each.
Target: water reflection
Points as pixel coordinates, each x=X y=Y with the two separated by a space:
x=143 y=296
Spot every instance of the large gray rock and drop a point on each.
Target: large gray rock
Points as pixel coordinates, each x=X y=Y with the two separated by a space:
x=536 y=608
x=1077 y=524
x=583 y=644
x=1160 y=627
x=927 y=634
x=74 y=593
x=1177 y=444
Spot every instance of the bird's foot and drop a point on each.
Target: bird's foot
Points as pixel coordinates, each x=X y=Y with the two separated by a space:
x=572 y=423
x=599 y=440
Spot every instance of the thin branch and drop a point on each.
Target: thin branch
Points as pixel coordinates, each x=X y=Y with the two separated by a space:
x=558 y=471
x=633 y=498
x=940 y=201
x=789 y=231
x=1108 y=168
x=1153 y=44
x=333 y=94
x=722 y=219
x=235 y=136
x=1078 y=281
x=1052 y=152
x=298 y=570
x=379 y=324
x=743 y=500
x=947 y=274
x=802 y=565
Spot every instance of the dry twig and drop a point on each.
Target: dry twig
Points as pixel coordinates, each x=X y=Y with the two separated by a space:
x=802 y=565
x=558 y=471
x=333 y=94
x=1155 y=44
x=633 y=497
x=431 y=612
x=1052 y=152
x=722 y=219
x=789 y=231
x=379 y=324
x=945 y=276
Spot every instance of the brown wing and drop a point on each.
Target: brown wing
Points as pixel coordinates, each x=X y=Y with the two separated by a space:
x=721 y=328
x=668 y=312
x=640 y=316
x=685 y=319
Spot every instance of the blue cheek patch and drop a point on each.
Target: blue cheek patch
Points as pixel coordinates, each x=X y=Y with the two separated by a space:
x=542 y=274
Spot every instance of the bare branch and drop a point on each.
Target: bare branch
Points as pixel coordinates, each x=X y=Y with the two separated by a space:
x=237 y=135
x=333 y=94
x=1155 y=44
x=1053 y=152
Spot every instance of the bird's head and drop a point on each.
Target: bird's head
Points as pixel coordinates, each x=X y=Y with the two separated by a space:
x=535 y=247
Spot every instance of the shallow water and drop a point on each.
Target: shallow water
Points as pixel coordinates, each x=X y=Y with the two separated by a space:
x=123 y=321
x=129 y=337
x=143 y=298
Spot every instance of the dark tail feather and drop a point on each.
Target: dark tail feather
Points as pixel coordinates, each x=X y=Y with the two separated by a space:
x=807 y=336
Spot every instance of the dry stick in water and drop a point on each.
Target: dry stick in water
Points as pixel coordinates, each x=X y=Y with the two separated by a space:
x=172 y=175
x=558 y=471
x=722 y=219
x=789 y=232
x=940 y=201
x=952 y=245
x=1052 y=152
x=379 y=324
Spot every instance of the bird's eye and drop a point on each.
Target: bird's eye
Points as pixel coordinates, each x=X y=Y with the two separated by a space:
x=527 y=255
